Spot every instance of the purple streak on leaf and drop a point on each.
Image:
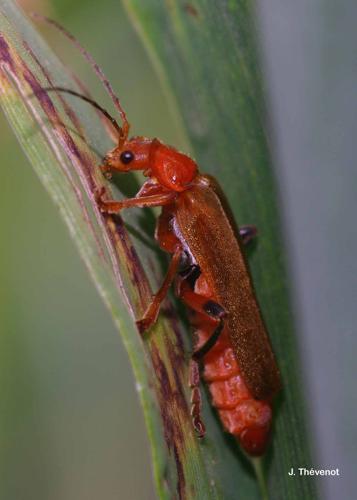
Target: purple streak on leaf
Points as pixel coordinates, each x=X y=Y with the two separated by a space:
x=5 y=56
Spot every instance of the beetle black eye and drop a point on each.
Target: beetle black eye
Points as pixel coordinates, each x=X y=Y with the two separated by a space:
x=126 y=157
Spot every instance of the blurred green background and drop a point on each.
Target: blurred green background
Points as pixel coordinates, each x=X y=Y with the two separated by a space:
x=70 y=424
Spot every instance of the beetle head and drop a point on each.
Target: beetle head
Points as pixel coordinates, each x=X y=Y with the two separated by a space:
x=170 y=168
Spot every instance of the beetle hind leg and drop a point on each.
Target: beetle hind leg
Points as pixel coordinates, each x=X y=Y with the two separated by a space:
x=196 y=398
x=194 y=377
x=210 y=342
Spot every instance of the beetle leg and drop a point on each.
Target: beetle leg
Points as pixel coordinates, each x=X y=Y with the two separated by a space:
x=211 y=310
x=210 y=342
x=212 y=317
x=194 y=379
x=247 y=233
x=196 y=399
x=199 y=303
x=152 y=311
x=113 y=206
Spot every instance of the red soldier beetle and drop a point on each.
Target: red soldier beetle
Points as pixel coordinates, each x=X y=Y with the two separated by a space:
x=210 y=274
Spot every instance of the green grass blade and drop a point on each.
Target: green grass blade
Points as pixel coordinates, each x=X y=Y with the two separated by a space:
x=207 y=52
x=56 y=134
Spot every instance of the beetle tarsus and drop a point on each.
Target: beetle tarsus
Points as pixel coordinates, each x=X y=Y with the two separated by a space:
x=196 y=399
x=99 y=194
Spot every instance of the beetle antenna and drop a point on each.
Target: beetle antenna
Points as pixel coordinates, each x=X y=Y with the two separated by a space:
x=90 y=101
x=124 y=130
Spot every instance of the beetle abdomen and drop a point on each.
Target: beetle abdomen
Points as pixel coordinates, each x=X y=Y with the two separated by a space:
x=246 y=418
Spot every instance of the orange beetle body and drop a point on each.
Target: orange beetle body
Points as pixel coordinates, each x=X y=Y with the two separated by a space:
x=197 y=229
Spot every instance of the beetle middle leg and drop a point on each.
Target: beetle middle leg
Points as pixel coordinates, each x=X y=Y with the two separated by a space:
x=168 y=242
x=152 y=311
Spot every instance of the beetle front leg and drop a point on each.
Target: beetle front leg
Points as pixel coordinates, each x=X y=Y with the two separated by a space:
x=113 y=206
